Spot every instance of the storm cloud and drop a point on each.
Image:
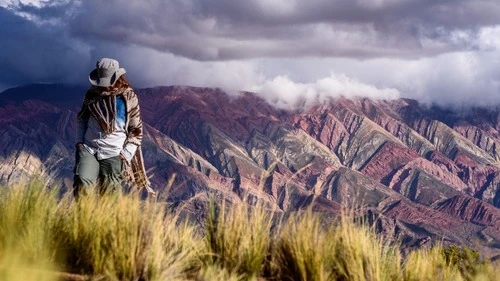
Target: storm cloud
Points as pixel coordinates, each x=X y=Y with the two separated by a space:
x=32 y=52
x=226 y=29
x=288 y=50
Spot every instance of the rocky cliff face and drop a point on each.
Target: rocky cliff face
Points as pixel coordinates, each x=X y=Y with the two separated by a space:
x=421 y=174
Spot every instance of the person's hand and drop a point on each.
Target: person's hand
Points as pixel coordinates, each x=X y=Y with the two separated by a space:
x=77 y=145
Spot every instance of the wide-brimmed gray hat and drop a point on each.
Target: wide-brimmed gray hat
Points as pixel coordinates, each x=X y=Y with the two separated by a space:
x=106 y=73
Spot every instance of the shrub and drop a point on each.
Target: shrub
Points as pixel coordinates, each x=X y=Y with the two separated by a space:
x=467 y=261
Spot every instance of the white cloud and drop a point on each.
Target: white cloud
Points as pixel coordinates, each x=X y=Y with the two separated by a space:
x=35 y=3
x=147 y=67
x=457 y=79
x=489 y=38
x=454 y=79
x=286 y=94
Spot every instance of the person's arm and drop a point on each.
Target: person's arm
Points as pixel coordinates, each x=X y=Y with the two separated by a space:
x=128 y=152
x=134 y=126
x=81 y=125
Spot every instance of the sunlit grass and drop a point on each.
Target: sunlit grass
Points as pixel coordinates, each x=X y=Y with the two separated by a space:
x=429 y=265
x=302 y=249
x=27 y=216
x=358 y=254
x=239 y=238
x=125 y=238
x=121 y=237
x=216 y=273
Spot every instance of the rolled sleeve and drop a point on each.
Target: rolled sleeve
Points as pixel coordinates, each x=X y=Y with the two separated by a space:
x=129 y=151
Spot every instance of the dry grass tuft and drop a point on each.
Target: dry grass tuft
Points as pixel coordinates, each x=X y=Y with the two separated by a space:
x=121 y=237
x=239 y=238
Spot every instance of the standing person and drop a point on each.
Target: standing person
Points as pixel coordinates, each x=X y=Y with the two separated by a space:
x=109 y=133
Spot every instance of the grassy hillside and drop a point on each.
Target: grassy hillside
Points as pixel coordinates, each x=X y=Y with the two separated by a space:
x=120 y=237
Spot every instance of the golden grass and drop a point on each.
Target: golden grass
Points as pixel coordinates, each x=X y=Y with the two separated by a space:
x=238 y=238
x=27 y=213
x=121 y=237
x=301 y=250
x=215 y=273
x=358 y=254
x=306 y=249
x=429 y=265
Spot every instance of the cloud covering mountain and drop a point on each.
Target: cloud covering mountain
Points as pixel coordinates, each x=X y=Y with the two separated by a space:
x=437 y=51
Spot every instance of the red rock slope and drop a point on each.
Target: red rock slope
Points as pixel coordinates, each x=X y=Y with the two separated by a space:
x=424 y=174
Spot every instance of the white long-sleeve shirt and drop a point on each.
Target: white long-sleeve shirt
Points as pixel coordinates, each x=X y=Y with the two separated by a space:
x=105 y=146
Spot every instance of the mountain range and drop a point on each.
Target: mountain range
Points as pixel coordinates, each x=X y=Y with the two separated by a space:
x=421 y=174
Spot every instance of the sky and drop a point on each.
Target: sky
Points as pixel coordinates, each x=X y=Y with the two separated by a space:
x=290 y=52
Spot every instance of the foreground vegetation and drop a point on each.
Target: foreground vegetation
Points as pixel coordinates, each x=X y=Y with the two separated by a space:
x=120 y=237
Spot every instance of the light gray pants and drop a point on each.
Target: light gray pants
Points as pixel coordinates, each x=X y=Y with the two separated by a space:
x=104 y=174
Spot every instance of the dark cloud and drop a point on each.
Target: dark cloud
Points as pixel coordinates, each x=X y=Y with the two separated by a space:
x=438 y=51
x=227 y=29
x=30 y=52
